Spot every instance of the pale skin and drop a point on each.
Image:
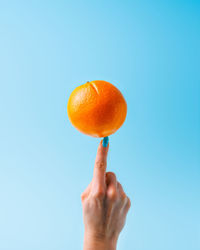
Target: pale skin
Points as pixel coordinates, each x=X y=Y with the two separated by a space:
x=105 y=206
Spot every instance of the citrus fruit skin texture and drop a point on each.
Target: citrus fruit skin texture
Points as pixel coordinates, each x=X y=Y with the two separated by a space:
x=97 y=108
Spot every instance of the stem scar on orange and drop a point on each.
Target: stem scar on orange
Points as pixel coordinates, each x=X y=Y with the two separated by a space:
x=97 y=108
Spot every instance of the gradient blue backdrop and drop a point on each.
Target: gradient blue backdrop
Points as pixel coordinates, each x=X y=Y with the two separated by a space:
x=151 y=51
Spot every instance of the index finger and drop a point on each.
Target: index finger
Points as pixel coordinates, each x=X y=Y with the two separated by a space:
x=101 y=163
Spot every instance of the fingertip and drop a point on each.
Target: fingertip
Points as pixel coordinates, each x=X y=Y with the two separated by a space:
x=105 y=141
x=102 y=151
x=104 y=146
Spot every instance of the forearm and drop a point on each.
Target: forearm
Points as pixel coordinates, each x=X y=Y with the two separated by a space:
x=98 y=244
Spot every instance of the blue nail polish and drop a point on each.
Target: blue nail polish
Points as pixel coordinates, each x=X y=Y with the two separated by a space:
x=105 y=141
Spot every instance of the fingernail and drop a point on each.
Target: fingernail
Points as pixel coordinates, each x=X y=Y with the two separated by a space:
x=105 y=141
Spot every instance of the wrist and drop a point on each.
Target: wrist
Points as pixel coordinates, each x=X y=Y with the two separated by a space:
x=92 y=242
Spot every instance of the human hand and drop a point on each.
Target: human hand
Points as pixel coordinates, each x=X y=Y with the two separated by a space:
x=105 y=206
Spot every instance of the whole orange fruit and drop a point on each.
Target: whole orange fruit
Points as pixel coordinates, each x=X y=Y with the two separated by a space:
x=97 y=108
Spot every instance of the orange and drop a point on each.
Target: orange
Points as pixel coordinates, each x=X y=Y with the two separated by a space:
x=97 y=108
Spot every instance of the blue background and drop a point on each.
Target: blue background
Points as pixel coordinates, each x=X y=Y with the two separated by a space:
x=151 y=51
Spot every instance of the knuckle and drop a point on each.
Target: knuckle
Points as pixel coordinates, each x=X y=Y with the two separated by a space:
x=100 y=165
x=123 y=197
x=128 y=202
x=98 y=194
x=111 y=174
x=119 y=186
x=83 y=196
x=112 y=195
